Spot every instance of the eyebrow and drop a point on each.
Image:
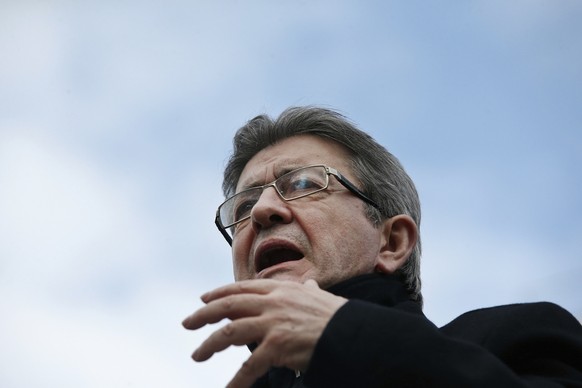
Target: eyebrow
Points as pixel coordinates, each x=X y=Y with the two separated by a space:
x=280 y=169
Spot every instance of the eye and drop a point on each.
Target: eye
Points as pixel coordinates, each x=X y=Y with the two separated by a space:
x=243 y=209
x=303 y=183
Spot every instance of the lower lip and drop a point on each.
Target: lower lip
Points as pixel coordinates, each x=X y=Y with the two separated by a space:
x=284 y=266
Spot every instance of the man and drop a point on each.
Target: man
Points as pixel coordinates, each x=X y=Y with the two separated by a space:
x=323 y=223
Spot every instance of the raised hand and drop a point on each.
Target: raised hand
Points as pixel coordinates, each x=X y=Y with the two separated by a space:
x=284 y=318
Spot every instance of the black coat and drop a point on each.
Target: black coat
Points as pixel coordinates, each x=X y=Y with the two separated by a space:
x=380 y=338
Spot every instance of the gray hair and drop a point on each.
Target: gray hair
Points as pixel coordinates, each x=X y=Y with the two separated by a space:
x=381 y=174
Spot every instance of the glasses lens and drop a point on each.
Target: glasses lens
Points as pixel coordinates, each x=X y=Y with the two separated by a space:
x=239 y=206
x=302 y=182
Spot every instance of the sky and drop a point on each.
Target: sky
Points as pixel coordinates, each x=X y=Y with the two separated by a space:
x=116 y=120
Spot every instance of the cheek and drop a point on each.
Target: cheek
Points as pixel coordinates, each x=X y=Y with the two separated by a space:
x=240 y=262
x=355 y=244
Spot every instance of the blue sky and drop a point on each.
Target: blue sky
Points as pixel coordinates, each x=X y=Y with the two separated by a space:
x=116 y=119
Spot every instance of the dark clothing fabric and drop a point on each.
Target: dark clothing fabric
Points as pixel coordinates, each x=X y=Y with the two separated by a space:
x=380 y=338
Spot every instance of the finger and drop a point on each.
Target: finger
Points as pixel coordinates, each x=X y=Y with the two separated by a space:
x=232 y=307
x=254 y=367
x=240 y=332
x=256 y=286
x=311 y=283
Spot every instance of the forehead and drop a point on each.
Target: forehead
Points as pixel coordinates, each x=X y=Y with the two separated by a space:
x=290 y=153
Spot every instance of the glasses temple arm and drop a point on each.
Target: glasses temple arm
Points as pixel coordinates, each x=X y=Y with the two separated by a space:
x=348 y=185
x=222 y=230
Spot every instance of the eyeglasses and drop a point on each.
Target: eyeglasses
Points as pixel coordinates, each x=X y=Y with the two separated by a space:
x=292 y=185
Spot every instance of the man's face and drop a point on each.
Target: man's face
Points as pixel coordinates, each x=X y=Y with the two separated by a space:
x=324 y=236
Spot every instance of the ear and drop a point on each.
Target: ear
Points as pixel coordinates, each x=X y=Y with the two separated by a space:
x=399 y=236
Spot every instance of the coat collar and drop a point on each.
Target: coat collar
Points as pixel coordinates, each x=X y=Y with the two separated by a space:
x=384 y=289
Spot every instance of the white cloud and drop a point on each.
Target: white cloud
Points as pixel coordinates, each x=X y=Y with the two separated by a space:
x=31 y=35
x=141 y=344
x=62 y=219
x=81 y=300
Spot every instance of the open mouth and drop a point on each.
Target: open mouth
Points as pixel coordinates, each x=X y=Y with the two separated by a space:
x=274 y=256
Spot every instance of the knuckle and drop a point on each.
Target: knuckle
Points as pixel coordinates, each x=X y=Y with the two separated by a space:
x=276 y=338
x=278 y=299
x=245 y=287
x=240 y=287
x=227 y=303
x=248 y=367
x=228 y=330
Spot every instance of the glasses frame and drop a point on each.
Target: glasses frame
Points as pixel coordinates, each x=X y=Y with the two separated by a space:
x=328 y=170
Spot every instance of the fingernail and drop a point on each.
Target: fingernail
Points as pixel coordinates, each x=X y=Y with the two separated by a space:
x=195 y=355
x=186 y=322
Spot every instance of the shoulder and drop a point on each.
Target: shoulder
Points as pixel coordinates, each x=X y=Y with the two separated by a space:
x=514 y=320
x=541 y=312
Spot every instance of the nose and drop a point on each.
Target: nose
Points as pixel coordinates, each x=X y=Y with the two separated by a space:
x=270 y=210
